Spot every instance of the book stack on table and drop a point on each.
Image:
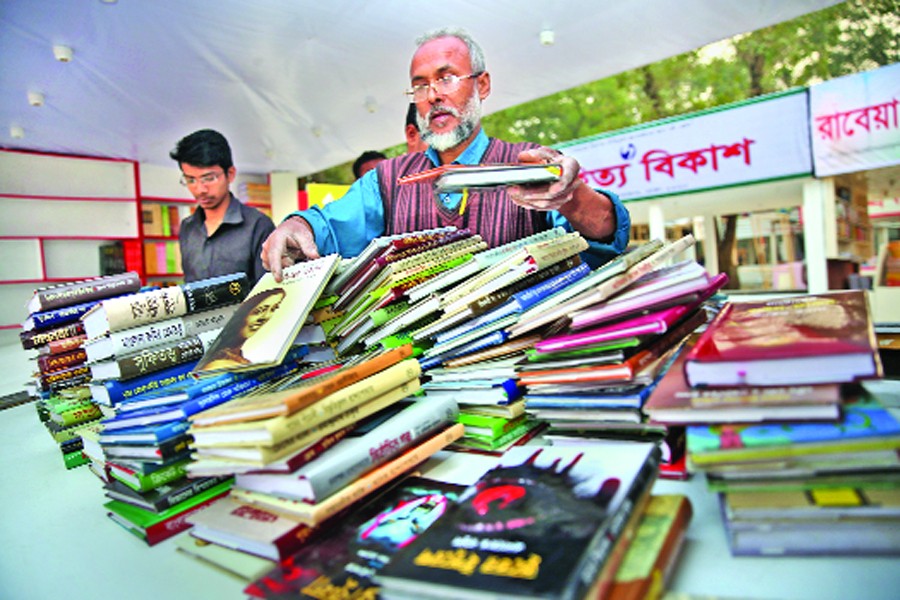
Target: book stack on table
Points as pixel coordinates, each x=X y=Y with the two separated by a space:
x=781 y=418
x=53 y=329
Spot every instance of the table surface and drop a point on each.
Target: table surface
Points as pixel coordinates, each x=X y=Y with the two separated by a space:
x=58 y=543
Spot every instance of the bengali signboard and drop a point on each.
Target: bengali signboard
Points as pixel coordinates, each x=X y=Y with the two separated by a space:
x=759 y=140
x=854 y=122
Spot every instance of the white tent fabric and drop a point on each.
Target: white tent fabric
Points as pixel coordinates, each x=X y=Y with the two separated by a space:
x=301 y=85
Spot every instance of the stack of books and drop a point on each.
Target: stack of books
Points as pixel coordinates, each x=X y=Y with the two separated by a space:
x=54 y=331
x=803 y=458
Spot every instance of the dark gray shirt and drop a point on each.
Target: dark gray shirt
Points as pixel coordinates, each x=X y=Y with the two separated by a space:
x=234 y=247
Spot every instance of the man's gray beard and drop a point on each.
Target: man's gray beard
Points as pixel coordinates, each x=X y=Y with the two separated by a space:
x=468 y=122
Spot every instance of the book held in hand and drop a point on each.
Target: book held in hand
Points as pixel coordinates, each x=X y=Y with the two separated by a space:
x=816 y=338
x=454 y=178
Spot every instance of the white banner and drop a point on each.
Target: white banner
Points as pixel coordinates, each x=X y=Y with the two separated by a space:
x=854 y=122
x=754 y=141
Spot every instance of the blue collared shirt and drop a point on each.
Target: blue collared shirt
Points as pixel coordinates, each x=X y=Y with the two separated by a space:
x=347 y=225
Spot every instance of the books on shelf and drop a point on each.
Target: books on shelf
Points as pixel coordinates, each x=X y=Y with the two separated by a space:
x=159 y=304
x=85 y=290
x=816 y=338
x=540 y=524
x=261 y=331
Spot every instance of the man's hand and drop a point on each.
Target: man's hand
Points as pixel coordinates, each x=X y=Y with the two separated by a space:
x=588 y=211
x=552 y=196
x=291 y=242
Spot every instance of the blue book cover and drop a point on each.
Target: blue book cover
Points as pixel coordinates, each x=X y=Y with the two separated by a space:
x=58 y=317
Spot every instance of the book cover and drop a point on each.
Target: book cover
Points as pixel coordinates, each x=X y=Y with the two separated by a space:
x=347 y=556
x=360 y=488
x=134 y=339
x=264 y=326
x=674 y=401
x=650 y=560
x=351 y=457
x=84 y=290
x=540 y=524
x=816 y=338
x=160 y=304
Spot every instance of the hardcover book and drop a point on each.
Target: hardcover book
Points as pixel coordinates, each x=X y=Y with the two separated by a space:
x=674 y=401
x=816 y=338
x=348 y=555
x=249 y=529
x=242 y=565
x=85 y=290
x=351 y=457
x=455 y=178
x=134 y=339
x=540 y=524
x=262 y=329
x=159 y=304
x=56 y=317
x=165 y=496
x=32 y=340
x=156 y=358
x=113 y=391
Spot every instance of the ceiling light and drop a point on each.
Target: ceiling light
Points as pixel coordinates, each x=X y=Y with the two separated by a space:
x=547 y=37
x=62 y=53
x=16 y=132
x=35 y=98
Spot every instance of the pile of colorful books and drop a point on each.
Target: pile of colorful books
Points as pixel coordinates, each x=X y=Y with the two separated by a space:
x=779 y=420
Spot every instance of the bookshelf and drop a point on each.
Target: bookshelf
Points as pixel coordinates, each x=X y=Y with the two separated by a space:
x=59 y=211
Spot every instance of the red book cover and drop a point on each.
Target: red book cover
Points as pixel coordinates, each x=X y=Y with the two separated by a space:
x=815 y=338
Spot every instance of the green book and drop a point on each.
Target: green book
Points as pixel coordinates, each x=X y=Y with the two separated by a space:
x=483 y=442
x=74 y=459
x=487 y=425
x=77 y=415
x=144 y=482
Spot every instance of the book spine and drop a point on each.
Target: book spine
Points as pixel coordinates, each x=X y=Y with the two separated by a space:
x=34 y=339
x=92 y=289
x=544 y=254
x=63 y=345
x=338 y=468
x=344 y=399
x=158 y=358
x=118 y=391
x=133 y=310
x=531 y=296
x=603 y=543
x=163 y=530
x=493 y=300
x=146 y=336
x=65 y=377
x=215 y=292
x=185 y=492
x=58 y=317
x=381 y=476
x=55 y=362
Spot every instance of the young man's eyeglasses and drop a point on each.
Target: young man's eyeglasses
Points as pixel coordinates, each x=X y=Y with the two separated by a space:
x=445 y=85
x=207 y=179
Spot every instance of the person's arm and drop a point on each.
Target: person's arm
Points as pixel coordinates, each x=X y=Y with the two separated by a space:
x=344 y=226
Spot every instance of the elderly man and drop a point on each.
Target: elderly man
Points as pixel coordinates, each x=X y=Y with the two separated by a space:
x=449 y=81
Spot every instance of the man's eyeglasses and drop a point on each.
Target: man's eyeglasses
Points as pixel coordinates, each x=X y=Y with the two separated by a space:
x=208 y=179
x=445 y=85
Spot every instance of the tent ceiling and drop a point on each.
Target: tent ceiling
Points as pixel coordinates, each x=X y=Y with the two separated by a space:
x=288 y=81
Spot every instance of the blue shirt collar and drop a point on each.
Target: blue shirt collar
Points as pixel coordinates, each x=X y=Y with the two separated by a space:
x=472 y=155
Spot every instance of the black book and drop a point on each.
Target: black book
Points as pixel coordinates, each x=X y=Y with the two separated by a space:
x=165 y=496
